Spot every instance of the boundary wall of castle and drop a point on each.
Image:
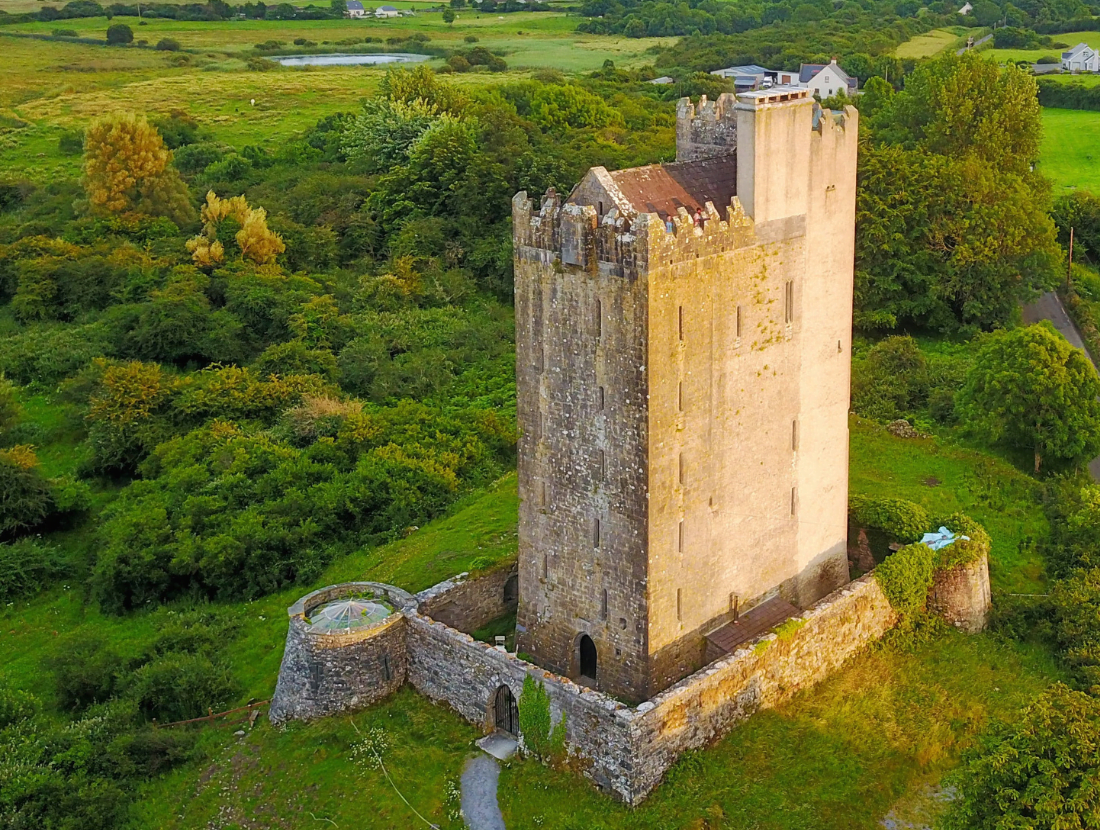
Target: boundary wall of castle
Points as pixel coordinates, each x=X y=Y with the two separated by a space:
x=468 y=604
x=624 y=750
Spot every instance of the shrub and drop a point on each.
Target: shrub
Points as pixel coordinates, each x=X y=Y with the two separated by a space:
x=962 y=551
x=1076 y=603
x=9 y=406
x=167 y=44
x=26 y=498
x=86 y=672
x=295 y=358
x=65 y=33
x=180 y=686
x=17 y=705
x=470 y=38
x=899 y=521
x=891 y=381
x=534 y=717
x=194 y=158
x=906 y=578
x=1037 y=772
x=119 y=34
x=26 y=566
x=71 y=142
x=46 y=355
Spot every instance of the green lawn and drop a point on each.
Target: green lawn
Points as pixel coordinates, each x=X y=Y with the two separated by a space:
x=1071 y=149
x=932 y=43
x=1032 y=55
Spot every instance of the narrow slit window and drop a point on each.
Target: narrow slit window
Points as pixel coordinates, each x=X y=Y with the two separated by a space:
x=794 y=434
x=680 y=604
x=601 y=207
x=545 y=566
x=680 y=473
x=738 y=322
x=595 y=533
x=680 y=322
x=794 y=499
x=680 y=537
x=600 y=399
x=598 y=321
x=788 y=305
x=386 y=666
x=601 y=467
x=680 y=396
x=603 y=605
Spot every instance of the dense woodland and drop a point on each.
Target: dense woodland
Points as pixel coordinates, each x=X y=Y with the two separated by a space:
x=272 y=358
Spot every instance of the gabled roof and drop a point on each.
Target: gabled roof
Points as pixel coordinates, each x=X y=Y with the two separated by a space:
x=354 y=6
x=662 y=188
x=1076 y=50
x=809 y=71
x=386 y=9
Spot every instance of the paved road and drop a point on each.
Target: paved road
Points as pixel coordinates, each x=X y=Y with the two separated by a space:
x=1049 y=307
x=977 y=43
x=479 y=794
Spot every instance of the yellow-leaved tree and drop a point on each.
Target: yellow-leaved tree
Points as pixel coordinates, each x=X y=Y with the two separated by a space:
x=128 y=169
x=225 y=220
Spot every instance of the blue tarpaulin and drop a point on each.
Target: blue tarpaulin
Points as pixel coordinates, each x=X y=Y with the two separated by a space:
x=940 y=538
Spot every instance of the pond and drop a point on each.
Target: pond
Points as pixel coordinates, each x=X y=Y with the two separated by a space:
x=349 y=60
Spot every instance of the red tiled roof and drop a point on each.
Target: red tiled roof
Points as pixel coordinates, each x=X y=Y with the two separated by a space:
x=662 y=188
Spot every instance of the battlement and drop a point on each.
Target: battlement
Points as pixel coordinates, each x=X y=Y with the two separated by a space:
x=706 y=130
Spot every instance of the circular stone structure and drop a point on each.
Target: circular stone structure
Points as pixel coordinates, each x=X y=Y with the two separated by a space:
x=345 y=649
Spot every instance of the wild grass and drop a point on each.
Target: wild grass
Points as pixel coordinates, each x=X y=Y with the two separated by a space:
x=1071 y=149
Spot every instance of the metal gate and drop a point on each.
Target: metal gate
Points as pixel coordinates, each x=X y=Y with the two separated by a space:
x=505 y=711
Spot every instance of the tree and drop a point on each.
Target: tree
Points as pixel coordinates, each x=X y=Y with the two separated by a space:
x=381 y=135
x=448 y=17
x=128 y=169
x=233 y=221
x=946 y=243
x=1029 y=388
x=120 y=34
x=967 y=105
x=1039 y=772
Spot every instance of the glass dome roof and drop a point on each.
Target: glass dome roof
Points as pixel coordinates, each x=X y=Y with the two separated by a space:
x=344 y=615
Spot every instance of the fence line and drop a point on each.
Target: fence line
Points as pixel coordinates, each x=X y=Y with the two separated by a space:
x=252 y=708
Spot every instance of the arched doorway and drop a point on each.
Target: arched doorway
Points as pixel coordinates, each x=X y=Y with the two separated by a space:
x=511 y=590
x=505 y=711
x=586 y=658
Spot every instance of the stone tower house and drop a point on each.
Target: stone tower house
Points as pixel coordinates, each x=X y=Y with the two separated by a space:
x=683 y=390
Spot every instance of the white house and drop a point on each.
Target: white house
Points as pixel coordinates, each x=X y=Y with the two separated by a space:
x=386 y=11
x=826 y=80
x=1081 y=58
x=355 y=8
x=966 y=8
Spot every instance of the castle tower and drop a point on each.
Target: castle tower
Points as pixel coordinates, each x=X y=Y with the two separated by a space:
x=683 y=390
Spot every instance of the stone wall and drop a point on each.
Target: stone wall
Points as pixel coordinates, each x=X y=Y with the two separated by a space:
x=325 y=674
x=707 y=130
x=961 y=595
x=761 y=675
x=468 y=604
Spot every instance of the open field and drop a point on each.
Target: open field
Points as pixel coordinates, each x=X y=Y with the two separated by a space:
x=57 y=85
x=1071 y=149
x=932 y=43
x=1032 y=55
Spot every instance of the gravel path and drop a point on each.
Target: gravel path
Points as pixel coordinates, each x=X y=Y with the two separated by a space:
x=479 y=794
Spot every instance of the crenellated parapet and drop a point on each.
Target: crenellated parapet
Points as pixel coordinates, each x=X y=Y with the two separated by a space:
x=622 y=243
x=706 y=130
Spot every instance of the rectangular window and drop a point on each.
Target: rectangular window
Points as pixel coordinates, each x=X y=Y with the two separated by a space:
x=601 y=467
x=681 y=472
x=603 y=605
x=597 y=323
x=738 y=322
x=595 y=533
x=545 y=566
x=680 y=396
x=680 y=322
x=794 y=499
x=788 y=304
x=599 y=399
x=680 y=537
x=680 y=604
x=794 y=434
